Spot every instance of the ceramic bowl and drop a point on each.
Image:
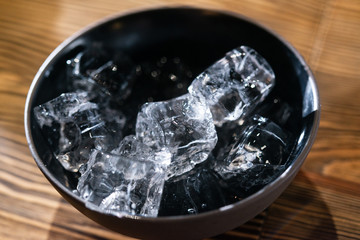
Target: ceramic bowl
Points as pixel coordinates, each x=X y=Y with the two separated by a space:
x=199 y=36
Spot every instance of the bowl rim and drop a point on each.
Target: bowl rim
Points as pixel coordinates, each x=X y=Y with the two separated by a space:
x=293 y=167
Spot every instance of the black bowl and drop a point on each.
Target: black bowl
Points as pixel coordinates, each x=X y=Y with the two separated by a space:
x=200 y=37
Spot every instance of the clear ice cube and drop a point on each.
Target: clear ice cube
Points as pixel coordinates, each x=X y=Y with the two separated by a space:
x=108 y=134
x=65 y=107
x=64 y=122
x=278 y=110
x=257 y=157
x=128 y=180
x=94 y=71
x=197 y=191
x=116 y=76
x=184 y=125
x=234 y=84
x=73 y=126
x=81 y=66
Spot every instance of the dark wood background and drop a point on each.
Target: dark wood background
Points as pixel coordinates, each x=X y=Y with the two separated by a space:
x=323 y=202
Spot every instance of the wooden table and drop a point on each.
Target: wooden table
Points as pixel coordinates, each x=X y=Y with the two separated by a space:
x=323 y=202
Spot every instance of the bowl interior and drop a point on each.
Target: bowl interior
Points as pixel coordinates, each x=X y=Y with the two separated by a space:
x=198 y=37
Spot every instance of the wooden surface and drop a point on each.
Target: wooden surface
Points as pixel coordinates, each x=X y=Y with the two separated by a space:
x=323 y=202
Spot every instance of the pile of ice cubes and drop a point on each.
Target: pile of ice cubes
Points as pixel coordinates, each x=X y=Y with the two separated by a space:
x=186 y=155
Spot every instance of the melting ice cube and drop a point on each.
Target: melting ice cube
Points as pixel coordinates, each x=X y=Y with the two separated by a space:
x=235 y=84
x=184 y=125
x=128 y=180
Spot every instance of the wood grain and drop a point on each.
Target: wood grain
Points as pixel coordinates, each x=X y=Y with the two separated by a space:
x=323 y=202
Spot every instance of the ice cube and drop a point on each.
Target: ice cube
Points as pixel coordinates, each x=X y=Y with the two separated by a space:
x=128 y=180
x=184 y=125
x=92 y=70
x=116 y=76
x=63 y=107
x=73 y=126
x=245 y=183
x=234 y=84
x=278 y=110
x=263 y=142
x=64 y=122
x=257 y=157
x=108 y=134
x=197 y=191
x=82 y=65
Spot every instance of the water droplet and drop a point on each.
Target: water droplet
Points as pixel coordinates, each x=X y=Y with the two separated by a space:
x=154 y=74
x=163 y=60
x=173 y=77
x=191 y=211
